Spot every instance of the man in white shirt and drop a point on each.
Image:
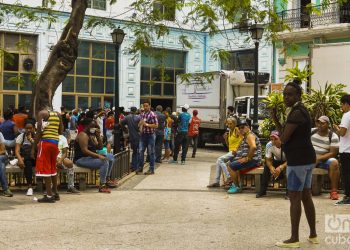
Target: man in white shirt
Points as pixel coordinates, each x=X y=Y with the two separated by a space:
x=343 y=130
x=275 y=163
x=326 y=144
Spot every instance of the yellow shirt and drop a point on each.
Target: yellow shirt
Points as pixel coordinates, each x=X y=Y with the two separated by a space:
x=234 y=139
x=51 y=130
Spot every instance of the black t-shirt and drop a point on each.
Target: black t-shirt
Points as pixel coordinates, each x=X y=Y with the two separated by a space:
x=299 y=149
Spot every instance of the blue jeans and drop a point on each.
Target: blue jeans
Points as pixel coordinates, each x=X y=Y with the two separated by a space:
x=95 y=163
x=221 y=166
x=147 y=141
x=135 y=154
x=3 y=180
x=110 y=158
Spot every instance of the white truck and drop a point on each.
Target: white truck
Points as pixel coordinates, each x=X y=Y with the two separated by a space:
x=212 y=97
x=329 y=63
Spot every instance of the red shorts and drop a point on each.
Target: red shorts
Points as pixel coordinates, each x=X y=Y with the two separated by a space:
x=46 y=159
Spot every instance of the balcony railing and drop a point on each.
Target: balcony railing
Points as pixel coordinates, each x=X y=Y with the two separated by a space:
x=301 y=18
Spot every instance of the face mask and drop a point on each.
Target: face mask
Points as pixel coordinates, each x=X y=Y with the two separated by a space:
x=92 y=130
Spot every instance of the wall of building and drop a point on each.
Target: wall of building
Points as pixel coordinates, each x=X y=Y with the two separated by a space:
x=198 y=58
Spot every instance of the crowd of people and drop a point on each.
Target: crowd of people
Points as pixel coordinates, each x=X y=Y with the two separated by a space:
x=43 y=143
x=294 y=149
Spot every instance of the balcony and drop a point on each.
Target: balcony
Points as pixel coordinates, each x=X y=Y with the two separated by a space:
x=301 y=18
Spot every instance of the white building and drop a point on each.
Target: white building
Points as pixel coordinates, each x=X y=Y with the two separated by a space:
x=91 y=82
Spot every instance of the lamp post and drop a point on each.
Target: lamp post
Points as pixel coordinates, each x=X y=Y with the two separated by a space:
x=117 y=37
x=256 y=31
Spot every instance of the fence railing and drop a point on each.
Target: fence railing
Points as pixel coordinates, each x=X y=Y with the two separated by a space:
x=302 y=18
x=121 y=164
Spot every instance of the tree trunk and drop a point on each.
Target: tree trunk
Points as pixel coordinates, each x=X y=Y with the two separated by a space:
x=61 y=60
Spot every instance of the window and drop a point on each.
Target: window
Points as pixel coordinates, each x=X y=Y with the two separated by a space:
x=17 y=69
x=158 y=72
x=97 y=4
x=165 y=12
x=240 y=60
x=92 y=76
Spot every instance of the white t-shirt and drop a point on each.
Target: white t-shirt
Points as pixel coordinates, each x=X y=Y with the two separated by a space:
x=273 y=152
x=19 y=140
x=2 y=139
x=344 y=145
x=321 y=143
x=62 y=143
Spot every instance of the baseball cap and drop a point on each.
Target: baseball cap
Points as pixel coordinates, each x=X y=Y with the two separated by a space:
x=242 y=122
x=185 y=106
x=275 y=134
x=323 y=119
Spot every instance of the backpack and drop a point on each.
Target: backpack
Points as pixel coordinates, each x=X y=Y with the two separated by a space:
x=330 y=134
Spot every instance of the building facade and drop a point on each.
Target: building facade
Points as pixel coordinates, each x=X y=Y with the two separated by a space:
x=91 y=82
x=318 y=40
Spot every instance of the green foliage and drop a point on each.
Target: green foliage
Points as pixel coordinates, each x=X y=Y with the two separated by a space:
x=298 y=74
x=274 y=101
x=325 y=102
x=266 y=127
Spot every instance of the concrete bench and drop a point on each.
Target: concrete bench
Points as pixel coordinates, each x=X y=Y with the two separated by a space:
x=317 y=179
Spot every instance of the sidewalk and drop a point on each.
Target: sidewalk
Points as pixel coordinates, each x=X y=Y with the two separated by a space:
x=172 y=209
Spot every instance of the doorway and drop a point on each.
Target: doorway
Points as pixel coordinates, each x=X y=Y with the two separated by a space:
x=164 y=102
x=304 y=14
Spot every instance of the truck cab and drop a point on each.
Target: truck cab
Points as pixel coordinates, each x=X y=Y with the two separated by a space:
x=244 y=107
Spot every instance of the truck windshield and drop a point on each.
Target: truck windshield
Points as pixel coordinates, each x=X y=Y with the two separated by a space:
x=263 y=112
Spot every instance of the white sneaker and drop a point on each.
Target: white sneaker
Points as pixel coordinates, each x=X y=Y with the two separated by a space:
x=30 y=192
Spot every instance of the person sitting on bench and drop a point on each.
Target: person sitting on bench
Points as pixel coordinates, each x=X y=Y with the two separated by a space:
x=275 y=163
x=233 y=139
x=248 y=155
x=326 y=144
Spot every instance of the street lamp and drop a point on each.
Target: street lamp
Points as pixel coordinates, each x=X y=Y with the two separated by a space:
x=256 y=32
x=117 y=37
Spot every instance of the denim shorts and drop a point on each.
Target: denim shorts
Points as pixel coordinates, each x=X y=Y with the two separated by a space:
x=325 y=164
x=235 y=165
x=299 y=177
x=167 y=144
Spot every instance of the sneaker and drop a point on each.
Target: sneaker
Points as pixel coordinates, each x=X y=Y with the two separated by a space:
x=288 y=245
x=29 y=192
x=47 y=199
x=73 y=190
x=137 y=172
x=334 y=195
x=173 y=162
x=182 y=162
x=233 y=190
x=112 y=183
x=313 y=240
x=259 y=195
x=7 y=193
x=214 y=185
x=149 y=172
x=56 y=196
x=104 y=189
x=345 y=201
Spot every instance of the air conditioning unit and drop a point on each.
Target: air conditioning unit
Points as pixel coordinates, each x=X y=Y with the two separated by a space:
x=27 y=63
